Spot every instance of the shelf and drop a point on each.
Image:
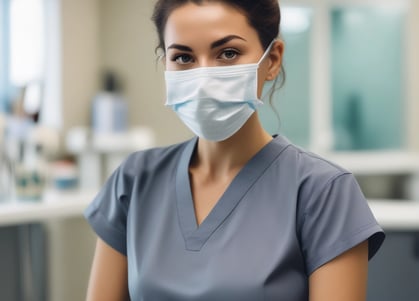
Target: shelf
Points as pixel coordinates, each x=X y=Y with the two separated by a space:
x=380 y=162
x=80 y=140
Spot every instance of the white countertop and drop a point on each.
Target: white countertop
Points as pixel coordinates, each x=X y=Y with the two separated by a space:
x=55 y=205
x=392 y=215
x=396 y=215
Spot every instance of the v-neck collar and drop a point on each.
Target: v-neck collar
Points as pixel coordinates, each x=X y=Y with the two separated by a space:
x=195 y=237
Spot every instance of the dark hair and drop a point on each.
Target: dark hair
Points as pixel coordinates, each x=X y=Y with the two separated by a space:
x=263 y=15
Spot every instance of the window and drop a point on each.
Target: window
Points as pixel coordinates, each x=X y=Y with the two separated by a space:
x=22 y=52
x=345 y=75
x=26 y=41
x=368 y=75
x=4 y=55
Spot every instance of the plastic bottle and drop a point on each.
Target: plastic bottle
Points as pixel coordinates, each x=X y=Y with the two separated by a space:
x=109 y=110
x=6 y=176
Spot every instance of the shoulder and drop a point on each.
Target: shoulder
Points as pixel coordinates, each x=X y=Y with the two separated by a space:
x=145 y=165
x=332 y=213
x=311 y=173
x=306 y=165
x=152 y=159
x=141 y=167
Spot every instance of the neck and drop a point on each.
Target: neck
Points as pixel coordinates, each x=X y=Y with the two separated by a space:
x=221 y=158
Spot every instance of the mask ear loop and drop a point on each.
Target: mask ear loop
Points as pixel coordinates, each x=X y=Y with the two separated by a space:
x=265 y=54
x=267 y=51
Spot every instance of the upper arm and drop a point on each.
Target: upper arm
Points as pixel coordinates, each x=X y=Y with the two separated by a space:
x=343 y=278
x=333 y=219
x=109 y=275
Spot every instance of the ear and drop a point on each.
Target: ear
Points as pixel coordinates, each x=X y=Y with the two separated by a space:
x=161 y=56
x=162 y=59
x=275 y=59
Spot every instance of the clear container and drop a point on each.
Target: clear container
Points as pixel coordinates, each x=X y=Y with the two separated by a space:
x=6 y=178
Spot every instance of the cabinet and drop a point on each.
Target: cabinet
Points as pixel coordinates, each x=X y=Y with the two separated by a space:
x=394 y=272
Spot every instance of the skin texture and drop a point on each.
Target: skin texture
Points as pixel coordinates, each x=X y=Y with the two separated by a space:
x=214 y=34
x=109 y=275
x=342 y=279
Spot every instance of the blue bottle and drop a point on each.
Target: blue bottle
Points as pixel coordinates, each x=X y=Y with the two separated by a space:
x=109 y=110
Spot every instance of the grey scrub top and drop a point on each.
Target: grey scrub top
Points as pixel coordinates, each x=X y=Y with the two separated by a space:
x=285 y=214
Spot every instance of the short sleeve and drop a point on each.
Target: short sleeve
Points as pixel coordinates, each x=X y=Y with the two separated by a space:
x=335 y=220
x=107 y=214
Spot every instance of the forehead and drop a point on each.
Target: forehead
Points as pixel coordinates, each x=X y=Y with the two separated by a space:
x=206 y=22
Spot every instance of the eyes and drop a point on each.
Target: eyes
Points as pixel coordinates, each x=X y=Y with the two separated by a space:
x=229 y=54
x=226 y=56
x=182 y=59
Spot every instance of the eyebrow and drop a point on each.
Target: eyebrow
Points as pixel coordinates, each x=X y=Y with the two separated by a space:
x=225 y=40
x=180 y=47
x=215 y=44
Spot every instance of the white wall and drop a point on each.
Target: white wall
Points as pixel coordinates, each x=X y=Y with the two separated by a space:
x=79 y=59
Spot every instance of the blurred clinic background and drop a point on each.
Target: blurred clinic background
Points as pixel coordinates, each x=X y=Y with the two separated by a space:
x=81 y=87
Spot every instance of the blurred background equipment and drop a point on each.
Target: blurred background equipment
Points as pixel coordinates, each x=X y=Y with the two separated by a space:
x=109 y=108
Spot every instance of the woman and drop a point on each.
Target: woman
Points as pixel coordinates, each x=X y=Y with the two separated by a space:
x=233 y=214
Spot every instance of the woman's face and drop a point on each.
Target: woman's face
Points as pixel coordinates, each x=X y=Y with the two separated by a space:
x=209 y=35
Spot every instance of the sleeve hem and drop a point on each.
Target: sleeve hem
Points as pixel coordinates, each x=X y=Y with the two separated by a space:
x=373 y=233
x=106 y=232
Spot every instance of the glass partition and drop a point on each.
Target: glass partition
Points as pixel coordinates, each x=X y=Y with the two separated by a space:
x=364 y=70
x=367 y=75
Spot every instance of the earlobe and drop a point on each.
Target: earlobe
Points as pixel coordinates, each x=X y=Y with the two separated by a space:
x=162 y=59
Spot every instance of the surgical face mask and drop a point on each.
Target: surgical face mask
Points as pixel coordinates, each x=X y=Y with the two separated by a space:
x=214 y=102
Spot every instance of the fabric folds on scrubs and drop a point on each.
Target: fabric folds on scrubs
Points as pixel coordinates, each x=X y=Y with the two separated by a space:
x=284 y=215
